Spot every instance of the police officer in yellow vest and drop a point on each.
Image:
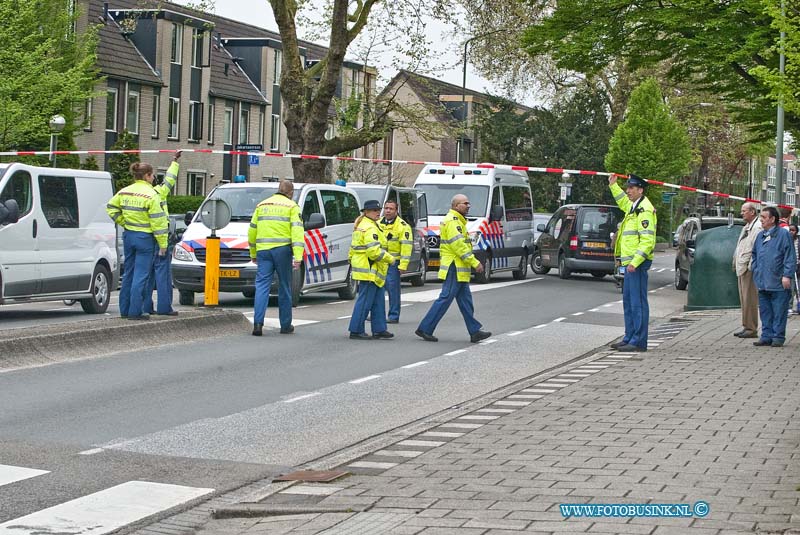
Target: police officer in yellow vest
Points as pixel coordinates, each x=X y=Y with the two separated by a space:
x=161 y=274
x=635 y=244
x=276 y=245
x=399 y=237
x=369 y=263
x=457 y=262
x=137 y=208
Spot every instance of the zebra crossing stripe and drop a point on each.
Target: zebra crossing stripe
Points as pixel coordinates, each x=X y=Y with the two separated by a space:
x=11 y=474
x=104 y=511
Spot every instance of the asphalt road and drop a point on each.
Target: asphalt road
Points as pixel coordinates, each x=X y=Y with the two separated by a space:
x=214 y=415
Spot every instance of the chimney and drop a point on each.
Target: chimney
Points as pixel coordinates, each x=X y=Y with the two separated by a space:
x=105 y=12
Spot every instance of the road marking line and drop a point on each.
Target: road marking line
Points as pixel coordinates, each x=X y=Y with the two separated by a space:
x=414 y=365
x=343 y=317
x=456 y=352
x=457 y=425
x=505 y=403
x=442 y=434
x=370 y=464
x=421 y=443
x=594 y=310
x=550 y=384
x=571 y=375
x=618 y=356
x=526 y=396
x=652 y=291
x=431 y=295
x=92 y=451
x=302 y=306
x=406 y=305
x=337 y=302
x=590 y=367
x=609 y=305
x=58 y=309
x=478 y=417
x=586 y=370
x=557 y=320
x=557 y=380
x=540 y=326
x=514 y=333
x=364 y=379
x=538 y=390
x=311 y=490
x=662 y=270
x=578 y=313
x=408 y=454
x=497 y=411
x=105 y=511
x=489 y=341
x=10 y=474
x=304 y=396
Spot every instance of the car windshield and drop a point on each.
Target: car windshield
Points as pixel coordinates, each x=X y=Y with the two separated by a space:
x=371 y=194
x=243 y=201
x=439 y=197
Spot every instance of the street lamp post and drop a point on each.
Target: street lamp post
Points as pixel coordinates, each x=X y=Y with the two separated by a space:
x=57 y=124
x=460 y=144
x=779 y=135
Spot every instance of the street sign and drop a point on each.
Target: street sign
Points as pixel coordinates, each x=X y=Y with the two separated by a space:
x=252 y=159
x=250 y=147
x=666 y=196
x=215 y=214
x=563 y=195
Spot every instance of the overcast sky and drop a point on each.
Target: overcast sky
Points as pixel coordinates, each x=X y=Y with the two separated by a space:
x=259 y=13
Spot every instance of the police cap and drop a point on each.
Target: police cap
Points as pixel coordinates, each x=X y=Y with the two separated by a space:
x=371 y=204
x=634 y=180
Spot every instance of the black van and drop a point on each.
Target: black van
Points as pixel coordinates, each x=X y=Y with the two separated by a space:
x=577 y=239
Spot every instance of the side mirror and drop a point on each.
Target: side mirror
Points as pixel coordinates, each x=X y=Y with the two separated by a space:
x=674 y=242
x=496 y=213
x=315 y=220
x=9 y=212
x=541 y=227
x=188 y=218
x=690 y=244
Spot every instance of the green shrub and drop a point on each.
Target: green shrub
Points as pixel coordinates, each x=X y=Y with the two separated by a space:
x=180 y=204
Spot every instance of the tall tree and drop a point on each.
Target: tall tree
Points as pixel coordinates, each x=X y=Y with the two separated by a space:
x=45 y=69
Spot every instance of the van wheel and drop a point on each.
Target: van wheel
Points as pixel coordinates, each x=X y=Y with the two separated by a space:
x=101 y=292
x=537 y=264
x=419 y=280
x=680 y=282
x=186 y=297
x=297 y=284
x=563 y=271
x=522 y=272
x=486 y=276
x=249 y=293
x=348 y=291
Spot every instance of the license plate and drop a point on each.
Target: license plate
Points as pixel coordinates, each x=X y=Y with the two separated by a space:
x=594 y=244
x=229 y=273
x=433 y=263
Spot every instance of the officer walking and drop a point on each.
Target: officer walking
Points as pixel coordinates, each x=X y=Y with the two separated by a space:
x=276 y=245
x=161 y=274
x=635 y=245
x=137 y=208
x=398 y=236
x=369 y=263
x=455 y=269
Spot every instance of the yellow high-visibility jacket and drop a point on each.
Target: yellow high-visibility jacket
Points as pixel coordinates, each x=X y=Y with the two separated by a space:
x=636 y=237
x=456 y=247
x=369 y=259
x=276 y=222
x=138 y=207
x=400 y=239
x=164 y=190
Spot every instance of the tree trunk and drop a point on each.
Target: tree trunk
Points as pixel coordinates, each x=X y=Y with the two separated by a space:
x=311 y=171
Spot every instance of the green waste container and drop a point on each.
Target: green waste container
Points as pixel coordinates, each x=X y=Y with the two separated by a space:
x=712 y=281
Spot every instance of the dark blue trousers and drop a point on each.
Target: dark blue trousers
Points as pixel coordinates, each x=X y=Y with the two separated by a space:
x=139 y=250
x=160 y=281
x=370 y=300
x=772 y=307
x=269 y=262
x=451 y=289
x=635 y=305
x=393 y=289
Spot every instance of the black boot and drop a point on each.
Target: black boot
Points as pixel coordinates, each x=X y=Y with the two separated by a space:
x=257 y=327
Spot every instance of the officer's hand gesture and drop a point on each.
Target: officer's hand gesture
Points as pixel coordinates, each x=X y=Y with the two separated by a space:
x=612 y=179
x=177 y=155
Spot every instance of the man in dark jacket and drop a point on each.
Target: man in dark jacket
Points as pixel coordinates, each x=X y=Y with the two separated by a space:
x=773 y=266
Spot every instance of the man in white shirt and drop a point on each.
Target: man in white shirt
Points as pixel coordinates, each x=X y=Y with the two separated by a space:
x=748 y=294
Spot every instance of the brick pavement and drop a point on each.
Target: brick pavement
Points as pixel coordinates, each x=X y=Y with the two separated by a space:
x=703 y=416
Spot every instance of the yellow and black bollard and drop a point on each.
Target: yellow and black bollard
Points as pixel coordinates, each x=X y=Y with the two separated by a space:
x=212 y=271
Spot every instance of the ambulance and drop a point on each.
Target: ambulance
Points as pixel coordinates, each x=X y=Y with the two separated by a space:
x=499 y=222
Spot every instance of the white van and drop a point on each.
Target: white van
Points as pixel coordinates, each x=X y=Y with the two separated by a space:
x=56 y=239
x=411 y=206
x=500 y=217
x=325 y=261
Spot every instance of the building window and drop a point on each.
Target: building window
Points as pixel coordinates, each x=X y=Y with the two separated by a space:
x=87 y=115
x=244 y=125
x=210 y=124
x=174 y=116
x=275 y=138
x=261 y=120
x=156 y=118
x=196 y=184
x=195 y=121
x=111 y=110
x=276 y=70
x=132 y=111
x=197 y=47
x=227 y=132
x=177 y=43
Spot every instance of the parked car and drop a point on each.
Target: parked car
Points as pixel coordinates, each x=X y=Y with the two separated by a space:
x=688 y=230
x=577 y=238
x=412 y=207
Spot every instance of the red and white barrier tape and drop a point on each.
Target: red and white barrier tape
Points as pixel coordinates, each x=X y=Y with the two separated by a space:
x=380 y=161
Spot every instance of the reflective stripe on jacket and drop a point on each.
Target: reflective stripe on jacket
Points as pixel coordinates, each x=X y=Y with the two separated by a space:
x=369 y=259
x=456 y=247
x=166 y=189
x=400 y=239
x=138 y=207
x=276 y=222
x=637 y=233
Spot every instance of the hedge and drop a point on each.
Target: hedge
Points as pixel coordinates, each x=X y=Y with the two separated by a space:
x=180 y=204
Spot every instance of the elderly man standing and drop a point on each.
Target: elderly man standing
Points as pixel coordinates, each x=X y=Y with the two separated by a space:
x=748 y=294
x=773 y=265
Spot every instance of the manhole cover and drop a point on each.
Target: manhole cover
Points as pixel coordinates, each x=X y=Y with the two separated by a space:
x=322 y=476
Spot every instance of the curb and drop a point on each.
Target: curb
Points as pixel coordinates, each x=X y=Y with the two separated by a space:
x=256 y=510
x=64 y=342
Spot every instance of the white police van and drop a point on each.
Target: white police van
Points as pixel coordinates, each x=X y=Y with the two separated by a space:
x=56 y=239
x=499 y=220
x=325 y=263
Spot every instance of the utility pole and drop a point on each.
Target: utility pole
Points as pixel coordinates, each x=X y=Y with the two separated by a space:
x=779 y=136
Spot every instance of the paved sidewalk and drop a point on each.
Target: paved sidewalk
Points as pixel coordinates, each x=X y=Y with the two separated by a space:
x=702 y=416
